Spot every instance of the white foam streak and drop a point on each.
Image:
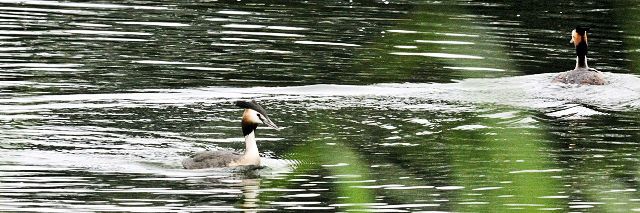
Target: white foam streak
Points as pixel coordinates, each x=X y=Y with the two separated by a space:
x=458 y=34
x=62 y=11
x=102 y=32
x=261 y=34
x=210 y=68
x=111 y=39
x=8 y=49
x=238 y=39
x=402 y=31
x=160 y=62
x=438 y=55
x=443 y=42
x=90 y=25
x=39 y=65
x=234 y=12
x=272 y=51
x=161 y=24
x=405 y=47
x=286 y=28
x=529 y=92
x=58 y=101
x=243 y=26
x=475 y=69
x=71 y=32
x=326 y=43
x=83 y=5
x=534 y=92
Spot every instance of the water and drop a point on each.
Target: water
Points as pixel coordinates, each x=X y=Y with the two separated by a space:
x=384 y=106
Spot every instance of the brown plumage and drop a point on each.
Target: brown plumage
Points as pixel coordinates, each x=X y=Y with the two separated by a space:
x=581 y=76
x=210 y=159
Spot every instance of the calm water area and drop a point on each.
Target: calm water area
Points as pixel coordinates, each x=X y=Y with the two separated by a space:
x=384 y=106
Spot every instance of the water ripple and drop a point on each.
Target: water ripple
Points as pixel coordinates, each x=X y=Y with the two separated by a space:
x=162 y=24
x=438 y=55
x=233 y=12
x=61 y=11
x=326 y=43
x=70 y=32
x=258 y=33
x=84 y=5
x=100 y=101
x=445 y=42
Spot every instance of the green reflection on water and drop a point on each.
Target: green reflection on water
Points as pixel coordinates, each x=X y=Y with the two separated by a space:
x=331 y=153
x=505 y=155
x=629 y=19
x=435 y=43
x=502 y=165
x=611 y=186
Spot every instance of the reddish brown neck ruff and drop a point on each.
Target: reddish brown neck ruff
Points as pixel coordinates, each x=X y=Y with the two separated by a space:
x=580 y=41
x=248 y=126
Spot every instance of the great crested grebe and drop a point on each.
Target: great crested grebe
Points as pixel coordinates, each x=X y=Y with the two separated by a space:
x=253 y=115
x=582 y=74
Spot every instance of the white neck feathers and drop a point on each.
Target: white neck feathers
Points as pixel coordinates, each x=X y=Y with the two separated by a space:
x=581 y=62
x=250 y=142
x=251 y=155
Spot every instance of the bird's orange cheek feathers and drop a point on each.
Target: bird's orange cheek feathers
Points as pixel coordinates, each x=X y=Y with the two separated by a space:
x=250 y=116
x=577 y=38
x=245 y=116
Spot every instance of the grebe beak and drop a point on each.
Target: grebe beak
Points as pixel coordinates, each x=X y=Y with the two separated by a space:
x=269 y=123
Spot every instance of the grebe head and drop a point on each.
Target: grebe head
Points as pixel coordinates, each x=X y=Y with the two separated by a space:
x=253 y=115
x=579 y=39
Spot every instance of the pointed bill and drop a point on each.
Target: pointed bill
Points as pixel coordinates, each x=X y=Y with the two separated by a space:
x=269 y=123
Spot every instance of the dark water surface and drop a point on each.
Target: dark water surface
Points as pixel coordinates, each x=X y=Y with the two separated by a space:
x=385 y=106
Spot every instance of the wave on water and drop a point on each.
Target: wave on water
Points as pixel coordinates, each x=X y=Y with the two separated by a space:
x=533 y=92
x=621 y=93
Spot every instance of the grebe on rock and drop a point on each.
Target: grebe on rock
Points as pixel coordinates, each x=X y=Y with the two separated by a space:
x=253 y=115
x=582 y=74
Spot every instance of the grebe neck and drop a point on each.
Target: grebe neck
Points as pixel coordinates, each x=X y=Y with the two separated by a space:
x=581 y=62
x=251 y=148
x=581 y=51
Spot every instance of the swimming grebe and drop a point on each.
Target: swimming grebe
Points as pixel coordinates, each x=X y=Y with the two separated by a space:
x=253 y=115
x=582 y=74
